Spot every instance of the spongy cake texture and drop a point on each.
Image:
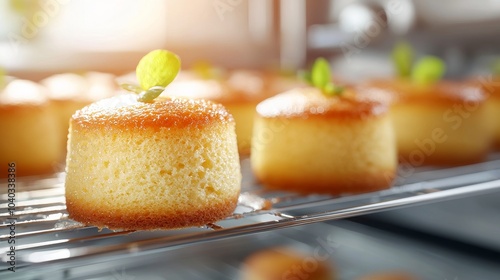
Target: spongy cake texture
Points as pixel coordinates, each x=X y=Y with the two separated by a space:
x=304 y=141
x=447 y=123
x=29 y=130
x=168 y=164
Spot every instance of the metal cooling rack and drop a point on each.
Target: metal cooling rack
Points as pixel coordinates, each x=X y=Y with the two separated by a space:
x=46 y=236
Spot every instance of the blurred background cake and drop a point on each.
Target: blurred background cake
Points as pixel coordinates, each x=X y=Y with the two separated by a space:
x=434 y=123
x=309 y=142
x=491 y=87
x=285 y=263
x=238 y=90
x=31 y=132
x=69 y=92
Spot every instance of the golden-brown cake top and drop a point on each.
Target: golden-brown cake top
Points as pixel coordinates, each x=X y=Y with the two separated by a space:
x=239 y=86
x=22 y=92
x=311 y=102
x=125 y=112
x=400 y=90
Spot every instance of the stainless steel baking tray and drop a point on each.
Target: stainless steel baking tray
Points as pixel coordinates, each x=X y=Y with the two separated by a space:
x=46 y=236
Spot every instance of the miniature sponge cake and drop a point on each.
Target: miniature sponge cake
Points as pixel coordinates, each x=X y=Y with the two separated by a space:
x=30 y=131
x=444 y=123
x=307 y=142
x=285 y=263
x=169 y=163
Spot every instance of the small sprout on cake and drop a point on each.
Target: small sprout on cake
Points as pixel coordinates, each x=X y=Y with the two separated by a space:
x=320 y=77
x=425 y=71
x=428 y=70
x=150 y=94
x=157 y=68
x=154 y=72
x=402 y=58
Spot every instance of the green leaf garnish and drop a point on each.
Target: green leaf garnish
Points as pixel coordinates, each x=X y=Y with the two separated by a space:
x=428 y=70
x=157 y=68
x=402 y=57
x=320 y=73
x=154 y=72
x=150 y=94
x=320 y=77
